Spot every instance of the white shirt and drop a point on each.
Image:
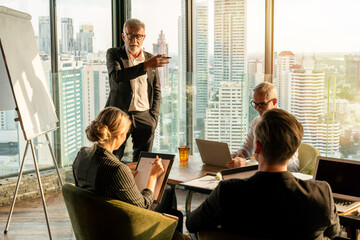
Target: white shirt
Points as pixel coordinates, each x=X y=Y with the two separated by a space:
x=139 y=86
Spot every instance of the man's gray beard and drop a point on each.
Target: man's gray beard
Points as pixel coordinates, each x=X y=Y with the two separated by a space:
x=135 y=51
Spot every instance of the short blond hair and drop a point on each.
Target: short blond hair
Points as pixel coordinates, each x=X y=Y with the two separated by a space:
x=279 y=134
x=133 y=23
x=268 y=88
x=110 y=122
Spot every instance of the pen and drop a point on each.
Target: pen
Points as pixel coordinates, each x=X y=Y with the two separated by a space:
x=166 y=57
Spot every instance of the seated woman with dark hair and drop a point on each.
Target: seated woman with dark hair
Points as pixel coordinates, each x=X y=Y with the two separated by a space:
x=97 y=169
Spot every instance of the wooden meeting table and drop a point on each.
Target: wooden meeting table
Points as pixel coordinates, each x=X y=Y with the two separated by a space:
x=186 y=171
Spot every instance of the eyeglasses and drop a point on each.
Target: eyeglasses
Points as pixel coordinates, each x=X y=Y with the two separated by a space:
x=132 y=36
x=260 y=105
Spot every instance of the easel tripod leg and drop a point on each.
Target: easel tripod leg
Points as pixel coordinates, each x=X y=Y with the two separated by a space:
x=41 y=189
x=53 y=157
x=16 y=189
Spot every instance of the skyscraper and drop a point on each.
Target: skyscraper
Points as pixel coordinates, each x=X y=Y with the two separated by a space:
x=255 y=73
x=320 y=130
x=95 y=88
x=180 y=84
x=229 y=40
x=161 y=47
x=201 y=65
x=227 y=112
x=84 y=39
x=222 y=121
x=352 y=70
x=71 y=109
x=67 y=35
x=285 y=61
x=44 y=35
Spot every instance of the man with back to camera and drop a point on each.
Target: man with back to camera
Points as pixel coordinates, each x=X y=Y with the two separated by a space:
x=272 y=203
x=135 y=86
x=264 y=98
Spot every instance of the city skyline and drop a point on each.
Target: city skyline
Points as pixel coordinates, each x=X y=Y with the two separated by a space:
x=320 y=24
x=339 y=130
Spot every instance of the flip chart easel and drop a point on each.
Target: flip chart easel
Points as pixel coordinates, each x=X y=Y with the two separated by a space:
x=22 y=75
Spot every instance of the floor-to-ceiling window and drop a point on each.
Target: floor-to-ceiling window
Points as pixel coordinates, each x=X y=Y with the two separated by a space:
x=12 y=142
x=228 y=53
x=84 y=35
x=227 y=61
x=317 y=71
x=166 y=34
x=81 y=80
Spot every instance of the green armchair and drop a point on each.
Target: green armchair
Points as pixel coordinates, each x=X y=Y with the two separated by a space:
x=307 y=158
x=96 y=217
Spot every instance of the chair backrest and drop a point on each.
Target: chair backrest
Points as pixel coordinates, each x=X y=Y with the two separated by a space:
x=307 y=158
x=97 y=217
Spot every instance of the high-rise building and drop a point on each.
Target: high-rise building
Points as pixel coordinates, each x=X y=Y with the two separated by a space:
x=67 y=35
x=201 y=66
x=161 y=47
x=255 y=73
x=44 y=35
x=224 y=119
x=320 y=129
x=95 y=89
x=227 y=112
x=71 y=109
x=352 y=70
x=285 y=61
x=180 y=85
x=84 y=39
x=308 y=61
x=229 y=41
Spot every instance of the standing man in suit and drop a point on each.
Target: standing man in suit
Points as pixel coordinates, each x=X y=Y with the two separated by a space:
x=264 y=98
x=272 y=203
x=135 y=86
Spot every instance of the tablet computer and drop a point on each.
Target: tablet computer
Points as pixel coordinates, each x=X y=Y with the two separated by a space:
x=143 y=167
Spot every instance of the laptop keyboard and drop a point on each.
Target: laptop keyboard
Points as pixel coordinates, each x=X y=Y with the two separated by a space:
x=343 y=202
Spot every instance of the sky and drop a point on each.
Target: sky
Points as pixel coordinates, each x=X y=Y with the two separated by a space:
x=300 y=26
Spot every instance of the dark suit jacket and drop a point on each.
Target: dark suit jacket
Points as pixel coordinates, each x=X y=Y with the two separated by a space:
x=275 y=205
x=99 y=171
x=120 y=74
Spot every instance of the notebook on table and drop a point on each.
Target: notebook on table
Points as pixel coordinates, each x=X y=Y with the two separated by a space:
x=214 y=153
x=343 y=177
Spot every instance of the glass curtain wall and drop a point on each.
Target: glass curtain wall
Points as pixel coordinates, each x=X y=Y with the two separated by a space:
x=12 y=142
x=84 y=35
x=228 y=52
x=165 y=34
x=317 y=71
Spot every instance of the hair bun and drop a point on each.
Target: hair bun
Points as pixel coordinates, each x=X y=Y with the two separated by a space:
x=98 y=132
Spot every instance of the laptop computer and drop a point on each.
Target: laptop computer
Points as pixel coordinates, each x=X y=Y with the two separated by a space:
x=343 y=177
x=213 y=153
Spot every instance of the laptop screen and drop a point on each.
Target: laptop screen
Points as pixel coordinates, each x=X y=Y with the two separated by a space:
x=342 y=175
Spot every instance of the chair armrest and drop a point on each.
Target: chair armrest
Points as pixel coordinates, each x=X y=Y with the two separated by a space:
x=170 y=216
